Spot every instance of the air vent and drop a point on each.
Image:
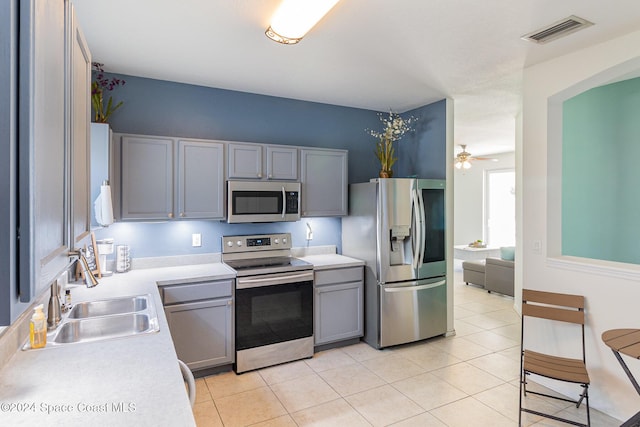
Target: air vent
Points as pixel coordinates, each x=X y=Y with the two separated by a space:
x=557 y=29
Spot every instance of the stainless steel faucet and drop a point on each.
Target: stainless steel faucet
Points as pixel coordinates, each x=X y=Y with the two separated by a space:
x=89 y=279
x=53 y=313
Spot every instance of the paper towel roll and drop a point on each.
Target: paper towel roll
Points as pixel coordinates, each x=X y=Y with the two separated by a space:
x=104 y=206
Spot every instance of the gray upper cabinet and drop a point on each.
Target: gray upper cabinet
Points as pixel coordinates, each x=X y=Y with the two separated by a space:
x=147 y=178
x=10 y=307
x=200 y=179
x=245 y=161
x=43 y=164
x=325 y=182
x=165 y=178
x=249 y=161
x=80 y=129
x=282 y=162
x=46 y=61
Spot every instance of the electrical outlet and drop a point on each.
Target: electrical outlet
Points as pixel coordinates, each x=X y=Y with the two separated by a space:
x=196 y=240
x=537 y=246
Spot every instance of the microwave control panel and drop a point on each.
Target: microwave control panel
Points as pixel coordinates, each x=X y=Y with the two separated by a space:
x=292 y=202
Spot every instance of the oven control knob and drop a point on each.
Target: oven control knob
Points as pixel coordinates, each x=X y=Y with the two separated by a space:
x=230 y=243
x=239 y=243
x=276 y=241
x=284 y=240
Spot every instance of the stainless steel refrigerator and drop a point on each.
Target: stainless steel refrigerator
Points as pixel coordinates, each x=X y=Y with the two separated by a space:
x=397 y=226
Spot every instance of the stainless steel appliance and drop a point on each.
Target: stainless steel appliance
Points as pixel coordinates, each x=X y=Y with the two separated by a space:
x=263 y=201
x=274 y=300
x=397 y=226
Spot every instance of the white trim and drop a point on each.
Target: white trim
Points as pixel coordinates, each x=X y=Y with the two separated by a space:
x=595 y=266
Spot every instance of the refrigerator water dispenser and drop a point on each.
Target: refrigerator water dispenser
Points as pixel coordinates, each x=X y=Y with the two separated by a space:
x=400 y=235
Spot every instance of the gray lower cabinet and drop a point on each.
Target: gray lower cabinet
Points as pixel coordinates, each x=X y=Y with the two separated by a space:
x=338 y=304
x=200 y=317
x=325 y=182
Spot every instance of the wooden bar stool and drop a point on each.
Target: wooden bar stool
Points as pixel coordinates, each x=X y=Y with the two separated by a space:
x=627 y=342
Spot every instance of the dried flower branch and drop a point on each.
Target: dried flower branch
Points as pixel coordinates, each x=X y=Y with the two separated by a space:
x=393 y=129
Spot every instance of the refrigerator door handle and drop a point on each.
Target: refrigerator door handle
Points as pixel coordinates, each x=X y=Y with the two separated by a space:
x=414 y=288
x=417 y=231
x=419 y=235
x=423 y=218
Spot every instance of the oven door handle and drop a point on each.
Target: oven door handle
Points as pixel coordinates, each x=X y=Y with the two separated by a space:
x=276 y=279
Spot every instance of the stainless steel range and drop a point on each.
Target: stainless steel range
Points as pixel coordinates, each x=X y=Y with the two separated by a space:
x=274 y=300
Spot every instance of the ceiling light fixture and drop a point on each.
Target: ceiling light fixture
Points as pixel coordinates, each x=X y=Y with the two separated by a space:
x=462 y=159
x=294 y=18
x=463 y=164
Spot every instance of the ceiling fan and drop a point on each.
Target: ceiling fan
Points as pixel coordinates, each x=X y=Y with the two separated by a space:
x=464 y=158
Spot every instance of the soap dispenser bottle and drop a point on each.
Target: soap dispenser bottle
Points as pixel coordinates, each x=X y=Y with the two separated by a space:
x=38 y=328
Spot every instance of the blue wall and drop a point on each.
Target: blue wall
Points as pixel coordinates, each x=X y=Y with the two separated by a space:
x=600 y=203
x=155 y=107
x=423 y=153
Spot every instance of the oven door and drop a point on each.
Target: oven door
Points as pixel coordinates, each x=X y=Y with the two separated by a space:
x=273 y=308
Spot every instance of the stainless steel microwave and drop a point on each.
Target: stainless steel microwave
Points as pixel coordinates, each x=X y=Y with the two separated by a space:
x=262 y=201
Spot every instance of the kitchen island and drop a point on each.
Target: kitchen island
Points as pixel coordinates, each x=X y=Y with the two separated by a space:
x=131 y=381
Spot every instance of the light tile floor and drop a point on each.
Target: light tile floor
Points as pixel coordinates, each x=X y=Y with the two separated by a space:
x=470 y=379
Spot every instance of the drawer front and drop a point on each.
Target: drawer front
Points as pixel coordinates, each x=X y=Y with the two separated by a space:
x=338 y=275
x=197 y=291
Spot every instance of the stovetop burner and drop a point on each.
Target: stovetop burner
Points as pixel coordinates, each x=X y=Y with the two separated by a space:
x=256 y=263
x=261 y=254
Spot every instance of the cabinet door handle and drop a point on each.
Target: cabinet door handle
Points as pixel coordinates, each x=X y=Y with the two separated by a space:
x=170 y=215
x=259 y=175
x=182 y=215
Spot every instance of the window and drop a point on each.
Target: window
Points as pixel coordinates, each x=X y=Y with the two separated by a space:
x=500 y=207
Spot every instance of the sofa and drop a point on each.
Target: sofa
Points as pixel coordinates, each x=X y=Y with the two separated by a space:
x=494 y=274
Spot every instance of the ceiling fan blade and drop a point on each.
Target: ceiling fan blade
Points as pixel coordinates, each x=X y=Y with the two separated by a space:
x=484 y=158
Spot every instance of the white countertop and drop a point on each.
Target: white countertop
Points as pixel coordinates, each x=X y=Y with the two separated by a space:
x=133 y=381
x=329 y=261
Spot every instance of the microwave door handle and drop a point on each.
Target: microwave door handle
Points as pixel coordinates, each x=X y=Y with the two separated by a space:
x=284 y=201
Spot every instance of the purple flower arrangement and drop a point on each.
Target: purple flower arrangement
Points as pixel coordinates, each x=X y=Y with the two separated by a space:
x=98 y=88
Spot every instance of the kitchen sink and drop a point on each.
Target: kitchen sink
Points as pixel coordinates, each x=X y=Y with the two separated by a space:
x=105 y=327
x=109 y=306
x=105 y=319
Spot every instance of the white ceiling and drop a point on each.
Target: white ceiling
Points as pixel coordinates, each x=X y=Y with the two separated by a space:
x=372 y=54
